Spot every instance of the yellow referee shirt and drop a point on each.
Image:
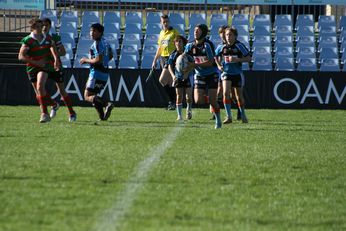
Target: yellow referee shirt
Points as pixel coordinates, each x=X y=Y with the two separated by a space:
x=166 y=41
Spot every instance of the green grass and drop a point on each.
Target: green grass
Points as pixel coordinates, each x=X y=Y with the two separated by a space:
x=285 y=170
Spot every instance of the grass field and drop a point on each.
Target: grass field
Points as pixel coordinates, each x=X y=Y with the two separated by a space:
x=141 y=170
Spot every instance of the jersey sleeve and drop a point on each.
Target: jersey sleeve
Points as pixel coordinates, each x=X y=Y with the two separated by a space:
x=218 y=51
x=243 y=49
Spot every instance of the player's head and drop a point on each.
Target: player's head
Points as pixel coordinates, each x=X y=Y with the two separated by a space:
x=36 y=24
x=201 y=31
x=222 y=32
x=47 y=23
x=231 y=34
x=164 y=21
x=96 y=31
x=180 y=42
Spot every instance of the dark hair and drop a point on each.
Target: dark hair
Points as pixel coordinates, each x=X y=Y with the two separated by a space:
x=47 y=20
x=98 y=27
x=180 y=37
x=204 y=29
x=33 y=23
x=164 y=16
x=222 y=28
x=233 y=30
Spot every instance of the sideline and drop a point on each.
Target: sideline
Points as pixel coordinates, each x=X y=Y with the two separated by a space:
x=112 y=217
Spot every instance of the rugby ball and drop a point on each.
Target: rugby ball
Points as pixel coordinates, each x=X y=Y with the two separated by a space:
x=181 y=63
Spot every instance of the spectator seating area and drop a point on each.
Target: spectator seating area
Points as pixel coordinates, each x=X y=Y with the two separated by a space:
x=276 y=44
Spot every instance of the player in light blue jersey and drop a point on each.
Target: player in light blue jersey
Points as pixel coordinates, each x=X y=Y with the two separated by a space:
x=100 y=55
x=206 y=76
x=233 y=54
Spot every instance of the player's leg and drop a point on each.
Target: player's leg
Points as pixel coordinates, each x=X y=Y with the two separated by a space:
x=227 y=99
x=41 y=96
x=188 y=96
x=67 y=100
x=93 y=87
x=166 y=80
x=179 y=102
x=235 y=102
x=241 y=103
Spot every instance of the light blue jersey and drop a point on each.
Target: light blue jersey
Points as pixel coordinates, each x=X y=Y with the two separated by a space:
x=100 y=70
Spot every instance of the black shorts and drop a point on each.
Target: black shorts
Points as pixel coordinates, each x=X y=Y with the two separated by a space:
x=57 y=76
x=236 y=80
x=33 y=76
x=182 y=83
x=207 y=81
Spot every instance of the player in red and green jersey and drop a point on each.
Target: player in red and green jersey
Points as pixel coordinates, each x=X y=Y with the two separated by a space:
x=36 y=51
x=57 y=75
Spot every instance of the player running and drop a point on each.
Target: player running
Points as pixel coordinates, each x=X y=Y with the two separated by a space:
x=206 y=76
x=36 y=51
x=100 y=55
x=233 y=54
x=180 y=83
x=57 y=75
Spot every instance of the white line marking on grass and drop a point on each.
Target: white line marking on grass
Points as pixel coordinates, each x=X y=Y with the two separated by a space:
x=113 y=216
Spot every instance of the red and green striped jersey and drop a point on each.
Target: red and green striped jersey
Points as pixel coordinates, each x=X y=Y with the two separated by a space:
x=57 y=40
x=37 y=51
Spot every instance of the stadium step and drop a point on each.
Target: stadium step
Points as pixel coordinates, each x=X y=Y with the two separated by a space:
x=9 y=47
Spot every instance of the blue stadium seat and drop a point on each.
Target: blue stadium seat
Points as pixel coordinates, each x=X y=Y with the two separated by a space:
x=150 y=49
x=153 y=17
x=328 y=53
x=69 y=27
x=112 y=28
x=342 y=22
x=153 y=28
x=262 y=64
x=177 y=18
x=151 y=39
x=242 y=30
x=307 y=64
x=305 y=20
x=83 y=45
x=283 y=41
x=283 y=20
x=133 y=17
x=262 y=30
x=69 y=16
x=306 y=41
x=283 y=52
x=76 y=63
x=51 y=14
x=197 y=18
x=241 y=19
x=68 y=38
x=283 y=30
x=245 y=40
x=327 y=31
x=130 y=49
x=331 y=65
x=112 y=38
x=284 y=64
x=261 y=40
x=132 y=39
x=147 y=60
x=245 y=66
x=216 y=40
x=69 y=49
x=262 y=20
x=133 y=28
x=326 y=21
x=66 y=60
x=112 y=64
x=85 y=29
x=90 y=16
x=327 y=41
x=214 y=30
x=264 y=51
x=180 y=28
x=306 y=52
x=112 y=17
x=218 y=19
x=305 y=31
x=128 y=61
x=343 y=58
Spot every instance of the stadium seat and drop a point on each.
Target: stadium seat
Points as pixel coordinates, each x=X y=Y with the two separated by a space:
x=342 y=22
x=262 y=30
x=214 y=30
x=307 y=64
x=305 y=20
x=305 y=41
x=327 y=31
x=197 y=18
x=133 y=28
x=151 y=39
x=69 y=49
x=327 y=41
x=261 y=40
x=283 y=41
x=243 y=30
x=51 y=14
x=150 y=49
x=262 y=20
x=153 y=28
x=112 y=38
x=153 y=17
x=326 y=21
x=68 y=38
x=147 y=60
x=218 y=19
x=130 y=49
x=132 y=39
x=66 y=60
x=245 y=66
x=283 y=20
x=283 y=30
x=330 y=65
x=90 y=16
x=344 y=68
x=343 y=58
x=241 y=19
x=306 y=52
x=112 y=28
x=283 y=52
x=112 y=64
x=262 y=64
x=76 y=63
x=179 y=27
x=328 y=53
x=112 y=17
x=70 y=28
x=133 y=17
x=245 y=40
x=305 y=31
x=216 y=40
x=284 y=64
x=128 y=61
x=264 y=51
x=85 y=29
x=69 y=16
x=83 y=46
x=177 y=18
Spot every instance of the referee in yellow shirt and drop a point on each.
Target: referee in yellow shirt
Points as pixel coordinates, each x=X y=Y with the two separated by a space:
x=166 y=47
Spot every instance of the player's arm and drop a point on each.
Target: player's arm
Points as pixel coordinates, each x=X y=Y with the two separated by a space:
x=218 y=58
x=54 y=51
x=242 y=59
x=97 y=59
x=24 y=57
x=171 y=68
x=110 y=53
x=61 y=49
